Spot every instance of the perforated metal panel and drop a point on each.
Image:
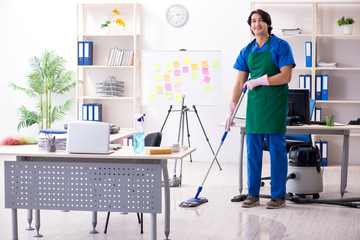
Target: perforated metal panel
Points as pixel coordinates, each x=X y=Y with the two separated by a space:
x=83 y=186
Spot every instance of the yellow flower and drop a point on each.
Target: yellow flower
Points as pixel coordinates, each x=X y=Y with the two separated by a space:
x=120 y=22
x=116 y=12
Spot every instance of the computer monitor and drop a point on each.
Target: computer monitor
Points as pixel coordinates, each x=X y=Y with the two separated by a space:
x=298 y=107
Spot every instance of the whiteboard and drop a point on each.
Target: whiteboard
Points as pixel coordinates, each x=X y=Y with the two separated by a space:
x=167 y=75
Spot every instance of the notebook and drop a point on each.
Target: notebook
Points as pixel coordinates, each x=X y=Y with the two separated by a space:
x=88 y=137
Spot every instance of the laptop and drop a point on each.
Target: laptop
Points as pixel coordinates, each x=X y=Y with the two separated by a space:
x=88 y=137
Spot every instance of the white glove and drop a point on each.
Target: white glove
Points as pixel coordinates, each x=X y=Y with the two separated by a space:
x=231 y=111
x=261 y=81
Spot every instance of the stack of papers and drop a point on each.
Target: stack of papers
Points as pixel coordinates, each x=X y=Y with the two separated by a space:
x=326 y=64
x=291 y=31
x=59 y=135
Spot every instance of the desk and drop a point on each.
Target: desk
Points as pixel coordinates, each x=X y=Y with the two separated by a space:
x=309 y=129
x=116 y=182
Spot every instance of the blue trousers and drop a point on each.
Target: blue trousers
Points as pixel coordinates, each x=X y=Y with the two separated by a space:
x=278 y=160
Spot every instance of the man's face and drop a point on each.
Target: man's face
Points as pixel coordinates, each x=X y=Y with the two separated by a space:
x=258 y=26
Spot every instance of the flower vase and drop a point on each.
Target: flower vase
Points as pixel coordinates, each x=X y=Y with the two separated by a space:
x=348 y=29
x=117 y=29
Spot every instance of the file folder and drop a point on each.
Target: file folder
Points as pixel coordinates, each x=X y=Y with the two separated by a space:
x=301 y=81
x=308 y=83
x=85 y=112
x=319 y=146
x=324 y=153
x=318 y=91
x=97 y=112
x=317 y=114
x=88 y=53
x=90 y=112
x=80 y=53
x=308 y=58
x=325 y=87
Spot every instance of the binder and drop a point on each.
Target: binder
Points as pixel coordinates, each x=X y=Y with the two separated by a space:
x=324 y=153
x=85 y=112
x=324 y=87
x=97 y=112
x=80 y=53
x=308 y=58
x=319 y=146
x=318 y=87
x=90 y=112
x=125 y=142
x=301 y=81
x=88 y=53
x=308 y=83
x=130 y=141
x=317 y=114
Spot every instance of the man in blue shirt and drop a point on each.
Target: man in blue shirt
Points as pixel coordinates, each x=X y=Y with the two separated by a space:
x=269 y=61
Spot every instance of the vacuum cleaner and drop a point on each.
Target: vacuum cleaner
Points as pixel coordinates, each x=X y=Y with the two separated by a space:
x=304 y=162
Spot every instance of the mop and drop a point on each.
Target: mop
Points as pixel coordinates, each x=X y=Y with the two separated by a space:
x=196 y=201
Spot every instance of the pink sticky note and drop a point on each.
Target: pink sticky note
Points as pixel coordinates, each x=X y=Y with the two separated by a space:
x=207 y=79
x=185 y=69
x=178 y=87
x=168 y=87
x=205 y=71
x=177 y=72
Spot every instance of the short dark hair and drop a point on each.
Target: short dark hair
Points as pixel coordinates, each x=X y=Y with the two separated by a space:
x=264 y=15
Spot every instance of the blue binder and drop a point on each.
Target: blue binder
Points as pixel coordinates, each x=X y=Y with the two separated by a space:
x=325 y=87
x=85 y=112
x=308 y=83
x=308 y=59
x=318 y=89
x=88 y=53
x=97 y=112
x=301 y=81
x=317 y=114
x=324 y=153
x=90 y=112
x=80 y=53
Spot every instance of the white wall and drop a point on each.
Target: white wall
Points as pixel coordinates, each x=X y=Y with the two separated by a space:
x=30 y=27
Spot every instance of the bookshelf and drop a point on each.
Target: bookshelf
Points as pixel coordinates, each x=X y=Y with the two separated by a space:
x=318 y=22
x=119 y=110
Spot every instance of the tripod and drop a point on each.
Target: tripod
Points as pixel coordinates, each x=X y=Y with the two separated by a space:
x=184 y=110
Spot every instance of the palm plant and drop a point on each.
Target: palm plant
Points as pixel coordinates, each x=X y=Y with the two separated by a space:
x=48 y=79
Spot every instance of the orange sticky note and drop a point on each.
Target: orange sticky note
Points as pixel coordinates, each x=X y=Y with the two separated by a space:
x=166 y=77
x=194 y=66
x=176 y=64
x=205 y=64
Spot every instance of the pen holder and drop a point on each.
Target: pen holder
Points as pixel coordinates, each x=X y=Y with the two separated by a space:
x=330 y=121
x=50 y=144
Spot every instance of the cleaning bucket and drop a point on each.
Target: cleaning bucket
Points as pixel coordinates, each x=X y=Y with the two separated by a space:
x=304 y=162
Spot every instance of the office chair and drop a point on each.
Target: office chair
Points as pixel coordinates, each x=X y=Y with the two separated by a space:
x=151 y=140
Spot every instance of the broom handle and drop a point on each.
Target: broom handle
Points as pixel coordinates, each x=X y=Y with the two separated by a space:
x=225 y=133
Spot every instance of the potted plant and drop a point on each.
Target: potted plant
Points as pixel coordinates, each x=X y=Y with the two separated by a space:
x=347 y=23
x=48 y=79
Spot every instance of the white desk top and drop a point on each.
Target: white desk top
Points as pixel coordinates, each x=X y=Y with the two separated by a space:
x=123 y=153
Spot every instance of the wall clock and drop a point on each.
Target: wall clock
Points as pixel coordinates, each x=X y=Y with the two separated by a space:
x=177 y=15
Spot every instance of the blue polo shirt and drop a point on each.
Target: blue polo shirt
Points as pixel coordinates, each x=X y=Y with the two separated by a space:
x=280 y=52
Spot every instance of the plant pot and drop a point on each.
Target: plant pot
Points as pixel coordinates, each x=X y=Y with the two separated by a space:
x=348 y=29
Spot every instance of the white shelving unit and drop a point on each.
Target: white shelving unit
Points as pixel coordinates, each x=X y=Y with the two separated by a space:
x=116 y=110
x=318 y=21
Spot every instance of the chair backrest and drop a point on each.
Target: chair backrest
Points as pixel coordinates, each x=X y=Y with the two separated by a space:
x=153 y=139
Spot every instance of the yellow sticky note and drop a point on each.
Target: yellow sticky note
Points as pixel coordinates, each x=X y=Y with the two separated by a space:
x=204 y=64
x=158 y=89
x=157 y=68
x=168 y=68
x=178 y=98
x=158 y=77
x=152 y=97
x=186 y=60
x=194 y=66
x=176 y=64
x=166 y=77
x=177 y=80
x=208 y=88
x=215 y=63
x=194 y=75
x=168 y=96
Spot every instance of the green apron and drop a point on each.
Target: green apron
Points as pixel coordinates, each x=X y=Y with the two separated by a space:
x=266 y=105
